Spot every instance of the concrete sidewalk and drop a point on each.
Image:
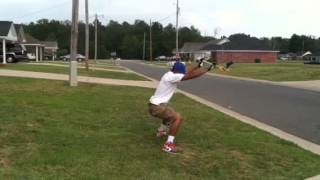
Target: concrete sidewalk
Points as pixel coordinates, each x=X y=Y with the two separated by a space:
x=53 y=76
x=80 y=67
x=313 y=85
x=308 y=85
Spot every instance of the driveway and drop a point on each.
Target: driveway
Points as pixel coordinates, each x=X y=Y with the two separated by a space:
x=295 y=111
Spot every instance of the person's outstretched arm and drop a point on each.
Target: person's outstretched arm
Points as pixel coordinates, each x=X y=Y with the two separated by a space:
x=200 y=64
x=196 y=72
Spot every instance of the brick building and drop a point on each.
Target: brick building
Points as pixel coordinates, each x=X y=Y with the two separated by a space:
x=244 y=56
x=237 y=49
x=241 y=50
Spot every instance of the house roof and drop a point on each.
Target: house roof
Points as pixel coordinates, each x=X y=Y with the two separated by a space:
x=314 y=54
x=5 y=27
x=235 y=43
x=232 y=44
x=50 y=44
x=18 y=26
x=191 y=47
x=20 y=33
x=31 y=40
x=7 y=31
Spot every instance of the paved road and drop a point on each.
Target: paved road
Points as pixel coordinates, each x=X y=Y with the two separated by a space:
x=292 y=110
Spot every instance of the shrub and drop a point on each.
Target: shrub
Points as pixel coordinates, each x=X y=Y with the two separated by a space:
x=257 y=60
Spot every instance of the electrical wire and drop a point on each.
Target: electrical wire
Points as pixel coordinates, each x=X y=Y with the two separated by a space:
x=42 y=10
x=163 y=19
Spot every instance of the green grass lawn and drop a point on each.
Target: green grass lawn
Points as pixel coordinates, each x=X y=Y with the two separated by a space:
x=52 y=131
x=281 y=71
x=105 y=64
x=275 y=72
x=81 y=72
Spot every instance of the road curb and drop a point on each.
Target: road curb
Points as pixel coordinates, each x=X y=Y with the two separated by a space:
x=314 y=178
x=312 y=147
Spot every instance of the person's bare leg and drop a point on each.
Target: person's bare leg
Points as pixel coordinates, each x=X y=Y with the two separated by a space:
x=175 y=124
x=170 y=146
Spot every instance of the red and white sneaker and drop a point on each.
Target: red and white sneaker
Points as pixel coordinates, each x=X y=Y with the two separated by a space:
x=161 y=133
x=169 y=147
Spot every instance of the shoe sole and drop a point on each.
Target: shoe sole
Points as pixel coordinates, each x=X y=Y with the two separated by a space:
x=170 y=152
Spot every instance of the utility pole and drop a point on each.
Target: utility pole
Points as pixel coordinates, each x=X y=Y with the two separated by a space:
x=74 y=43
x=4 y=52
x=96 y=39
x=87 y=35
x=177 y=30
x=144 y=46
x=150 y=40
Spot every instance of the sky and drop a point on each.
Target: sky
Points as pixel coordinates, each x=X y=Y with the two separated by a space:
x=260 y=18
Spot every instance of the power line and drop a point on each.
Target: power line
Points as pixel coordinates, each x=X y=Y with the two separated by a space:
x=163 y=19
x=83 y=17
x=42 y=10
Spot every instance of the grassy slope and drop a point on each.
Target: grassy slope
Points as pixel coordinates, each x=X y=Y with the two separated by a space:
x=82 y=72
x=296 y=71
x=104 y=132
x=276 y=72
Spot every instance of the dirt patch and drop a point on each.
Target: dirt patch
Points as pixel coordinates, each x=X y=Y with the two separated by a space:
x=238 y=155
x=244 y=167
x=4 y=157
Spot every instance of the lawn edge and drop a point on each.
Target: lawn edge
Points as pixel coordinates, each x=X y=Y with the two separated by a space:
x=307 y=145
x=314 y=178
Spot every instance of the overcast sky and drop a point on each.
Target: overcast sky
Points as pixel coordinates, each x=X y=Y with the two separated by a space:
x=261 y=18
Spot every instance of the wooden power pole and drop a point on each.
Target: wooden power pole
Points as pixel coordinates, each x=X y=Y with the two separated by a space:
x=177 y=30
x=87 y=35
x=150 y=40
x=96 y=39
x=144 y=46
x=74 y=43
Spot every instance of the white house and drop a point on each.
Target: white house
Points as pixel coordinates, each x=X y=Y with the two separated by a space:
x=7 y=34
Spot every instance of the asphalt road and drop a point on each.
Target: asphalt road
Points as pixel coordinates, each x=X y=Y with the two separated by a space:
x=292 y=110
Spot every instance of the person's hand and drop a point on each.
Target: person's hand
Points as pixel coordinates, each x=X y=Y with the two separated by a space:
x=228 y=64
x=210 y=67
x=213 y=65
x=200 y=63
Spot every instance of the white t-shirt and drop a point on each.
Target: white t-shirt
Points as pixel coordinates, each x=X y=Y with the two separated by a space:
x=166 y=88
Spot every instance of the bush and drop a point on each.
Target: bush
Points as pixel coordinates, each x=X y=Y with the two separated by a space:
x=257 y=60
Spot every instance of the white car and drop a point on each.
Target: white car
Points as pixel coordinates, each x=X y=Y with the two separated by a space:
x=159 y=58
x=79 y=57
x=31 y=56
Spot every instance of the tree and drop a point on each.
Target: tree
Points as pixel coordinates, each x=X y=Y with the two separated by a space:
x=130 y=47
x=127 y=39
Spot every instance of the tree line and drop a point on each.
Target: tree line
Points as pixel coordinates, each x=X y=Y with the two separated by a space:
x=128 y=39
